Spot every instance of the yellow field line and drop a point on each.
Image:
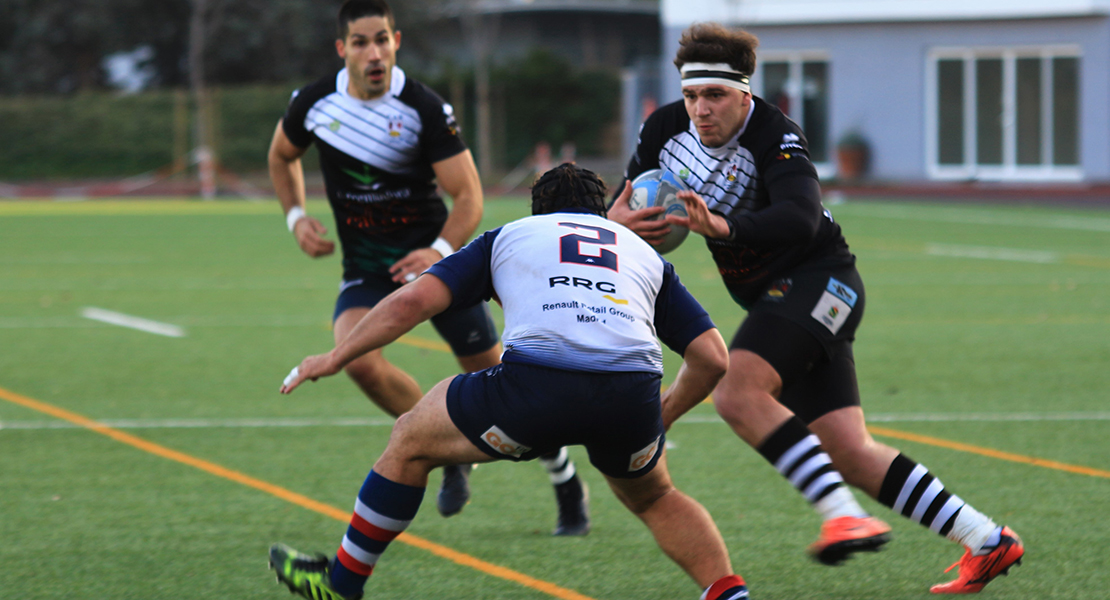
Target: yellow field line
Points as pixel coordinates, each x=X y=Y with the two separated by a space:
x=1018 y=458
x=289 y=496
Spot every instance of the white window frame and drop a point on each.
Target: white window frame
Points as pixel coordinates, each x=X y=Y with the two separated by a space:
x=1009 y=170
x=795 y=58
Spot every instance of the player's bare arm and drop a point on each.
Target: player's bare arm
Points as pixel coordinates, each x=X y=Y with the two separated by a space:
x=458 y=176
x=638 y=220
x=704 y=364
x=700 y=219
x=287 y=176
x=391 y=318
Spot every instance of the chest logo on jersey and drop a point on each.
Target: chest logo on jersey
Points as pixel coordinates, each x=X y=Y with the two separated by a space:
x=334 y=125
x=732 y=172
x=396 y=125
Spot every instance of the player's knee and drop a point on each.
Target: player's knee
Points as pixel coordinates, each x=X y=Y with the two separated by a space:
x=642 y=502
x=403 y=438
x=366 y=373
x=733 y=403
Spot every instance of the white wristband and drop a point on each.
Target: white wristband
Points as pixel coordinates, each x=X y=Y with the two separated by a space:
x=442 y=246
x=295 y=214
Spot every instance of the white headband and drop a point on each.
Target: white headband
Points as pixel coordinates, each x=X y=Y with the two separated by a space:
x=714 y=74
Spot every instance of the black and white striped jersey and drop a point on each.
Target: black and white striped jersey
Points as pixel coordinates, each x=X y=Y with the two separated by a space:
x=762 y=181
x=376 y=157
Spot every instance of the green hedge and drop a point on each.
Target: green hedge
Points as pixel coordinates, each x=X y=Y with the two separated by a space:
x=108 y=135
x=539 y=97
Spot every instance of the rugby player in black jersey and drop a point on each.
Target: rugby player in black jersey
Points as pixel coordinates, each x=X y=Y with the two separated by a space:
x=385 y=141
x=757 y=201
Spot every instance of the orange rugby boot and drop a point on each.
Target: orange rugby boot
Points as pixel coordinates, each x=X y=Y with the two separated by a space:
x=842 y=536
x=977 y=571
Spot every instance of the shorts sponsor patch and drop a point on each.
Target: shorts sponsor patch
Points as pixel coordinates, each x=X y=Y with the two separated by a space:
x=502 y=443
x=842 y=291
x=832 y=311
x=641 y=459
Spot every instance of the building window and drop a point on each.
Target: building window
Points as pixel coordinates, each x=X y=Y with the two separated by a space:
x=1004 y=113
x=799 y=86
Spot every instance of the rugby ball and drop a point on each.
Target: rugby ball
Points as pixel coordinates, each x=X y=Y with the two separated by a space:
x=660 y=188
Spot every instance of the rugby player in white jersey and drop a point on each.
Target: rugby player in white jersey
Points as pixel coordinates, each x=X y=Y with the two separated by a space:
x=757 y=202
x=385 y=141
x=584 y=301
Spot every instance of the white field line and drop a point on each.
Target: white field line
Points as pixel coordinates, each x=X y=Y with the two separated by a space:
x=974 y=217
x=115 y=318
x=207 y=423
x=387 y=422
x=989 y=253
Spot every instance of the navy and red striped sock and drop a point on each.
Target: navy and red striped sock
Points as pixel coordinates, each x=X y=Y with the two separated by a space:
x=383 y=510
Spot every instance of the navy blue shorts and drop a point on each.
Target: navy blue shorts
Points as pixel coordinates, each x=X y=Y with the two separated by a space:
x=518 y=412
x=468 y=331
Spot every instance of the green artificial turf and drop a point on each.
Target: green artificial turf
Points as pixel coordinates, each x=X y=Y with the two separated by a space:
x=986 y=325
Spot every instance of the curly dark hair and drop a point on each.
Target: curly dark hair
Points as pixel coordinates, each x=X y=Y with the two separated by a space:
x=715 y=43
x=568 y=186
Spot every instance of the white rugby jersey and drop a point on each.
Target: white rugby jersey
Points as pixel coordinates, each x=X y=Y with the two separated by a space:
x=376 y=157
x=579 y=292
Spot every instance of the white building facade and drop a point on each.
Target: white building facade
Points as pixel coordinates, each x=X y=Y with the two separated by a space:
x=940 y=90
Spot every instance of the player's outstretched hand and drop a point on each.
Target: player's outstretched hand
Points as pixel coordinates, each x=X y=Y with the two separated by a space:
x=639 y=221
x=413 y=264
x=311 y=368
x=700 y=220
x=310 y=237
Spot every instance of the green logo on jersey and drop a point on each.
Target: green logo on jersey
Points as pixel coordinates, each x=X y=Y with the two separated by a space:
x=334 y=125
x=684 y=172
x=365 y=178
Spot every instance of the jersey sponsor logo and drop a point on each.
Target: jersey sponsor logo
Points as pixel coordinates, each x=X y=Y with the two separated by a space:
x=365 y=178
x=502 y=443
x=683 y=173
x=615 y=300
x=334 y=125
x=641 y=459
x=582 y=282
x=779 y=289
x=452 y=124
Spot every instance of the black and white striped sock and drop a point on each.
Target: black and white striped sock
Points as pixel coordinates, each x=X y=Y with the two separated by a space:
x=915 y=493
x=560 y=468
x=798 y=456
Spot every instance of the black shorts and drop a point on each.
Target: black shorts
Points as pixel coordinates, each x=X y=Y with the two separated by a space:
x=803 y=325
x=518 y=412
x=468 y=331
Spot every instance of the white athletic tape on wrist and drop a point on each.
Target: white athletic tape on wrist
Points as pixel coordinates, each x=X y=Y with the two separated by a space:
x=295 y=214
x=444 y=247
x=291 y=376
x=410 y=277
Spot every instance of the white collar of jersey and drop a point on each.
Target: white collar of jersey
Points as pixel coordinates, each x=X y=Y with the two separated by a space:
x=396 y=83
x=714 y=74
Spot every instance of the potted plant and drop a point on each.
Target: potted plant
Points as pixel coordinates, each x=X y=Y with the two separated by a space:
x=852 y=156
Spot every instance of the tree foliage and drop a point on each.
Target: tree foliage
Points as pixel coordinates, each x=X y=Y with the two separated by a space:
x=59 y=47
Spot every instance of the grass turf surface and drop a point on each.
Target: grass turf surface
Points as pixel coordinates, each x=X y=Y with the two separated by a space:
x=992 y=321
